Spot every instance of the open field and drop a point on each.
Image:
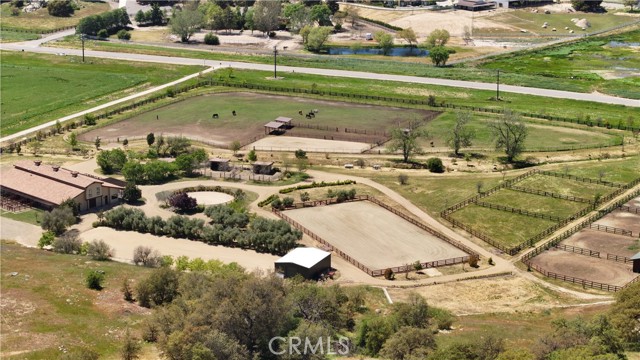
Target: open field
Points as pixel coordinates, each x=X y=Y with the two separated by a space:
x=291 y=143
x=193 y=117
x=12 y=36
x=41 y=20
x=535 y=203
x=47 y=305
x=584 y=267
x=210 y=197
x=565 y=186
x=539 y=136
x=37 y=87
x=605 y=243
x=504 y=227
x=620 y=171
x=372 y=235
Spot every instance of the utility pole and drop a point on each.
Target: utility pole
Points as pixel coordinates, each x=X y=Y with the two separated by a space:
x=82 y=38
x=275 y=57
x=498 y=87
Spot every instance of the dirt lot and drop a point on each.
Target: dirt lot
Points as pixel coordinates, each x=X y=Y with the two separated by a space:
x=210 y=197
x=291 y=143
x=604 y=242
x=635 y=202
x=372 y=235
x=622 y=220
x=585 y=267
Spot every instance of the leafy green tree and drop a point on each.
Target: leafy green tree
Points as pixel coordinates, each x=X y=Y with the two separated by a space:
x=438 y=37
x=385 y=41
x=266 y=15
x=406 y=140
x=73 y=140
x=321 y=14
x=140 y=17
x=111 y=161
x=439 y=55
x=409 y=343
x=161 y=287
x=97 y=143
x=133 y=172
x=317 y=37
x=625 y=315
x=131 y=193
x=372 y=333
x=587 y=5
x=407 y=35
x=461 y=136
x=509 y=133
x=151 y=138
x=251 y=156
x=60 y=8
x=155 y=16
x=185 y=23
x=58 y=219
x=298 y=17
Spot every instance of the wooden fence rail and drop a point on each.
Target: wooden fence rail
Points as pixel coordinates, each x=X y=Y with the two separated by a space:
x=578 y=250
x=582 y=179
x=550 y=194
x=629 y=209
x=619 y=258
x=575 y=280
x=611 y=230
x=518 y=211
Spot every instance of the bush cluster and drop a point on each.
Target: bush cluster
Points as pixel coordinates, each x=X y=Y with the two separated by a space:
x=382 y=23
x=268 y=200
x=211 y=39
x=316 y=185
x=109 y=21
x=228 y=227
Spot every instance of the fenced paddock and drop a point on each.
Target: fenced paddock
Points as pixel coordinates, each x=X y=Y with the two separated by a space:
x=605 y=243
x=290 y=143
x=374 y=236
x=585 y=268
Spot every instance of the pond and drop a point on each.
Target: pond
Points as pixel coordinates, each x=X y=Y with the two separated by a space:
x=623 y=44
x=396 y=51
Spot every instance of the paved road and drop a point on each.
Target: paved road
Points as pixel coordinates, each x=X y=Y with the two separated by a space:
x=600 y=98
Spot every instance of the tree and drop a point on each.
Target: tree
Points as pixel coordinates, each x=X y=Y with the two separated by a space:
x=60 y=8
x=140 y=17
x=439 y=55
x=185 y=23
x=155 y=16
x=124 y=35
x=182 y=202
x=131 y=348
x=97 y=143
x=435 y=165
x=266 y=14
x=298 y=17
x=151 y=138
x=509 y=133
x=300 y=154
x=630 y=4
x=438 y=37
x=35 y=147
x=353 y=14
x=235 y=146
x=461 y=135
x=94 y=280
x=68 y=243
x=58 y=127
x=587 y=5
x=333 y=6
x=317 y=37
x=251 y=156
x=133 y=172
x=409 y=343
x=111 y=161
x=625 y=316
x=161 y=287
x=407 y=35
x=385 y=41
x=58 y=219
x=406 y=140
x=73 y=140
x=99 y=250
x=321 y=14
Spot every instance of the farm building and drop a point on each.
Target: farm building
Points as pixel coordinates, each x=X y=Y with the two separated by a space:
x=308 y=262
x=636 y=263
x=475 y=5
x=284 y=120
x=218 y=164
x=263 y=167
x=274 y=127
x=47 y=186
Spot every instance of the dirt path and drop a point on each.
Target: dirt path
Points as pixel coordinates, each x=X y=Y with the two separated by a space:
x=25 y=234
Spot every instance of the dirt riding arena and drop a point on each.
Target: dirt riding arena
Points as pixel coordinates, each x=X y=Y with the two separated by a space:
x=210 y=197
x=372 y=235
x=622 y=220
x=291 y=143
x=584 y=267
x=604 y=242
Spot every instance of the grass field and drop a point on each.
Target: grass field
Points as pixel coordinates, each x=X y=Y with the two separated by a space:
x=539 y=136
x=599 y=65
x=47 y=305
x=535 y=203
x=40 y=20
x=565 y=186
x=38 y=88
x=523 y=77
x=504 y=227
x=31 y=216
x=194 y=117
x=620 y=171
x=11 y=36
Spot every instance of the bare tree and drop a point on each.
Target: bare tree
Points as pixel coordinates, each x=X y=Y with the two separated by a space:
x=461 y=135
x=510 y=133
x=406 y=140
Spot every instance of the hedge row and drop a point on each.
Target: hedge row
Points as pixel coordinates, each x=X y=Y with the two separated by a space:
x=315 y=185
x=382 y=23
x=268 y=200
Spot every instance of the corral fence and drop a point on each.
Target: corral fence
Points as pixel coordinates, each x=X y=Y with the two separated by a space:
x=550 y=194
x=612 y=230
x=552 y=243
x=517 y=211
x=578 y=250
x=574 y=280
x=350 y=259
x=630 y=209
x=582 y=179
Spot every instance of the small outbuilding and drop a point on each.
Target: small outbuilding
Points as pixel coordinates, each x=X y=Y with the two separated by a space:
x=636 y=263
x=308 y=262
x=285 y=121
x=475 y=5
x=219 y=164
x=263 y=167
x=274 y=127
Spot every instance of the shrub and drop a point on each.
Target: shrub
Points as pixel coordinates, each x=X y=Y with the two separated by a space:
x=388 y=274
x=145 y=256
x=131 y=193
x=435 y=165
x=272 y=34
x=17 y=3
x=491 y=262
x=161 y=287
x=46 y=239
x=403 y=179
x=60 y=8
x=287 y=202
x=301 y=154
x=417 y=265
x=15 y=11
x=89 y=119
x=337 y=27
x=68 y=244
x=103 y=34
x=473 y=261
x=277 y=204
x=182 y=202
x=315 y=185
x=211 y=39
x=251 y=156
x=431 y=100
x=268 y=200
x=58 y=219
x=94 y=279
x=124 y=35
x=360 y=163
x=305 y=196
x=126 y=291
x=99 y=250
x=171 y=92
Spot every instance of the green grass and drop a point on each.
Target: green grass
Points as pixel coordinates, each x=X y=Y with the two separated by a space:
x=540 y=136
x=585 y=60
x=31 y=216
x=63 y=311
x=564 y=186
x=620 y=171
x=509 y=75
x=40 y=20
x=504 y=227
x=38 y=88
x=12 y=36
x=535 y=203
